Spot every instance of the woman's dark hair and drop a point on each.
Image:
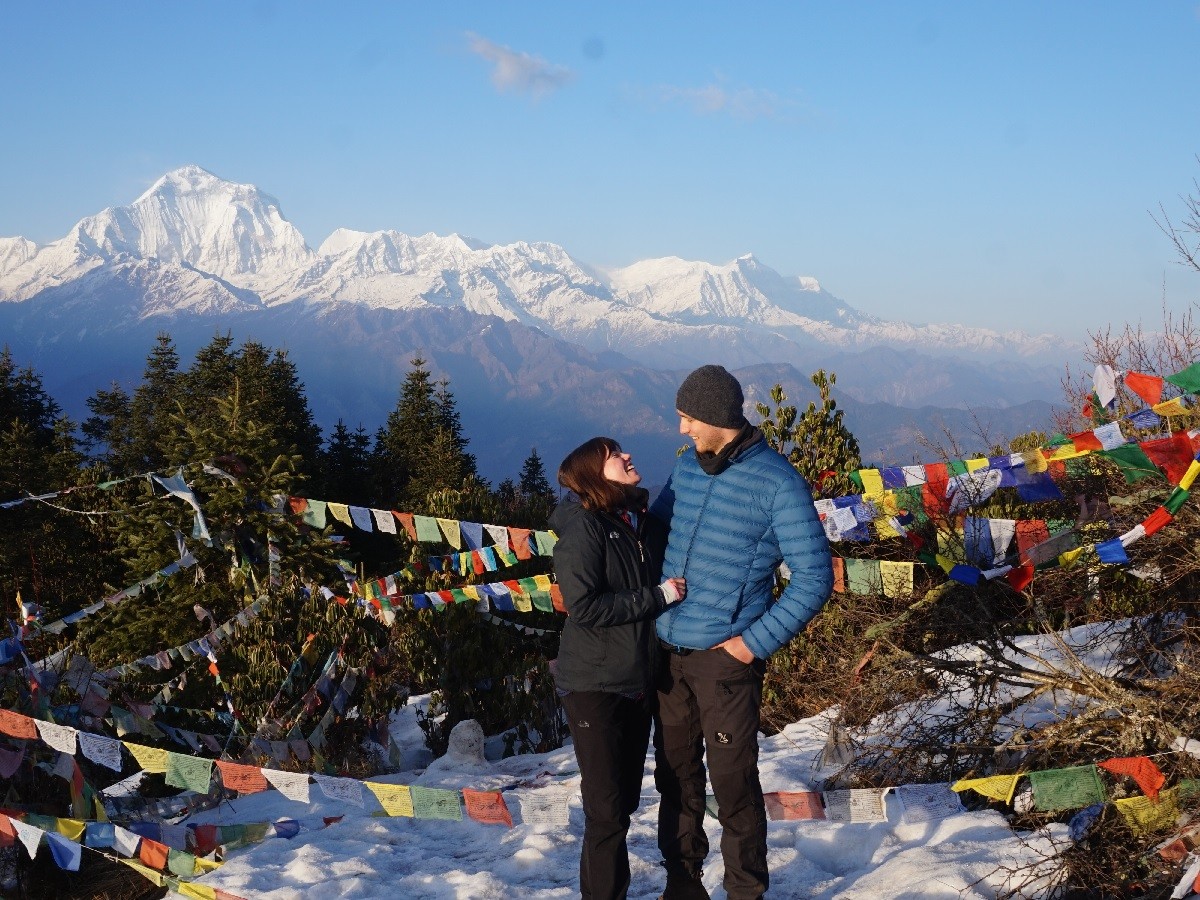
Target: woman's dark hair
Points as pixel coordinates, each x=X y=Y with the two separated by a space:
x=583 y=473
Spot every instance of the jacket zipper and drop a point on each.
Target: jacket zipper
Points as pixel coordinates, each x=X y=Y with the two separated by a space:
x=691 y=540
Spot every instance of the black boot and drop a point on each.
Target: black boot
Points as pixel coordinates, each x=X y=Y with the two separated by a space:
x=684 y=885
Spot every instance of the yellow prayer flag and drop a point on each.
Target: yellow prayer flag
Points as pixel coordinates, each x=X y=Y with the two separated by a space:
x=998 y=787
x=1034 y=461
x=194 y=889
x=885 y=529
x=1172 y=407
x=145 y=871
x=150 y=759
x=71 y=829
x=945 y=562
x=897 y=578
x=470 y=590
x=542 y=582
x=396 y=799
x=1068 y=451
x=1143 y=815
x=204 y=866
x=974 y=465
x=1068 y=559
x=872 y=481
x=341 y=512
x=1190 y=475
x=452 y=532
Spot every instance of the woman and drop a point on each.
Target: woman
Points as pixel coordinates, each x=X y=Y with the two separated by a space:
x=608 y=561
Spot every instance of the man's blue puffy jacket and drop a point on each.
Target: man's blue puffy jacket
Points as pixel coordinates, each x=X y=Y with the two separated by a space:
x=729 y=532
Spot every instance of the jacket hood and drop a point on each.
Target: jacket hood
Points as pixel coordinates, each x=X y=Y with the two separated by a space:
x=569 y=508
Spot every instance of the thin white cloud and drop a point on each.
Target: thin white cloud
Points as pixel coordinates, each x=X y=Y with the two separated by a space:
x=717 y=99
x=516 y=71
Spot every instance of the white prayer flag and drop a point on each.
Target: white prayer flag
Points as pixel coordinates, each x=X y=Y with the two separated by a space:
x=544 y=806
x=384 y=521
x=293 y=785
x=345 y=789
x=928 y=802
x=60 y=737
x=856 y=805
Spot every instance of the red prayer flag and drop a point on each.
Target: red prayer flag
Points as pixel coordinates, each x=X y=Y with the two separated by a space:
x=1030 y=533
x=8 y=834
x=1086 y=440
x=794 y=805
x=556 y=598
x=933 y=491
x=1157 y=520
x=153 y=854
x=839 y=575
x=16 y=725
x=487 y=807
x=1141 y=769
x=1148 y=387
x=477 y=565
x=241 y=778
x=520 y=542
x=406 y=519
x=1173 y=454
x=1019 y=577
x=297 y=505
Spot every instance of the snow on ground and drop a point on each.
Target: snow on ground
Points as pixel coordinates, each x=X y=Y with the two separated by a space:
x=967 y=855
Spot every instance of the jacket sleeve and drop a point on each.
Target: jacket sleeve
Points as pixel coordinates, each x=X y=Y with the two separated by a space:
x=805 y=550
x=664 y=503
x=590 y=600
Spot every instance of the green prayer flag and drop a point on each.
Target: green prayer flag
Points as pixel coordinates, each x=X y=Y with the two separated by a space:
x=956 y=467
x=856 y=477
x=314 y=514
x=1134 y=462
x=436 y=803
x=1070 y=788
x=862 y=577
x=1188 y=380
x=181 y=862
x=193 y=773
x=545 y=543
x=1177 y=499
x=427 y=530
x=459 y=595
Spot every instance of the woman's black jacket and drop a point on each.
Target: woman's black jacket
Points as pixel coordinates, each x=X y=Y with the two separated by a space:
x=608 y=574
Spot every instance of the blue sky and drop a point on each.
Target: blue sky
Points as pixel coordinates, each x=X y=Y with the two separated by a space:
x=992 y=164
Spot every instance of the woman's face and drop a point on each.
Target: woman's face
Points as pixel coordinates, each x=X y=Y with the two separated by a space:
x=619 y=468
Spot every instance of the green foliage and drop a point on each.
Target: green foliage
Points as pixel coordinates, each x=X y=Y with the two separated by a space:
x=818 y=443
x=55 y=558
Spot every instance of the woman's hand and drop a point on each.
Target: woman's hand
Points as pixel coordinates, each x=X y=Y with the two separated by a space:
x=673 y=590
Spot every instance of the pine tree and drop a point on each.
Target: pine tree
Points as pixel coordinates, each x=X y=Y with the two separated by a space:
x=422 y=448
x=54 y=557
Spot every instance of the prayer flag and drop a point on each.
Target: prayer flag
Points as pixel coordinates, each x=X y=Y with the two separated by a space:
x=427 y=530
x=1112 y=551
x=473 y=534
x=341 y=512
x=1141 y=769
x=1156 y=520
x=487 y=807
x=436 y=803
x=67 y=854
x=1148 y=387
x=855 y=805
x=1188 y=380
x=396 y=799
x=193 y=773
x=1173 y=454
x=149 y=759
x=1070 y=788
x=997 y=787
x=384 y=521
x=406 y=519
x=927 y=802
x=452 y=532
x=1133 y=462
x=1144 y=815
x=784 y=805
x=361 y=517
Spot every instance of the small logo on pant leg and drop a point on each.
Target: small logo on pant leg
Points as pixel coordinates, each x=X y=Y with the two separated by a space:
x=723 y=737
x=583 y=723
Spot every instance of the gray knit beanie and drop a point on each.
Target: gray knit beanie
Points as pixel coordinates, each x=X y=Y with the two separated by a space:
x=713 y=396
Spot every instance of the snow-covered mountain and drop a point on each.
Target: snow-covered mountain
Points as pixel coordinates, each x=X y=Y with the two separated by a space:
x=195 y=244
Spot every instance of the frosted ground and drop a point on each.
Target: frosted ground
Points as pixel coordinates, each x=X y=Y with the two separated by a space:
x=964 y=855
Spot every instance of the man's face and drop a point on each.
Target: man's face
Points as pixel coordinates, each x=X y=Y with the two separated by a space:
x=705 y=438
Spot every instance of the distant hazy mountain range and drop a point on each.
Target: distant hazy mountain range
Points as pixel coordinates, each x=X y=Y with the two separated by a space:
x=541 y=349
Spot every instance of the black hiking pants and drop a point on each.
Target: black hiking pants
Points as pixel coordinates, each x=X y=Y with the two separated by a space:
x=610 y=733
x=708 y=704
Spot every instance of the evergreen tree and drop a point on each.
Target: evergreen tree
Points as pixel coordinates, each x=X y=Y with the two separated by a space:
x=422 y=448
x=818 y=444
x=53 y=557
x=345 y=467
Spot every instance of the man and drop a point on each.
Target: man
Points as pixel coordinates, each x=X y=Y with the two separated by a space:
x=737 y=509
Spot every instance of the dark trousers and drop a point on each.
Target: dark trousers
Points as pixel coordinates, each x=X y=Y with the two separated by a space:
x=610 y=733
x=708 y=701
